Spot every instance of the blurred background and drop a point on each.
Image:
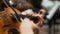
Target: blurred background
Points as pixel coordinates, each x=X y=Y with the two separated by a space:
x=52 y=21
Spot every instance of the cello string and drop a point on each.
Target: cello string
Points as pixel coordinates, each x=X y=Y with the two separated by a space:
x=13 y=10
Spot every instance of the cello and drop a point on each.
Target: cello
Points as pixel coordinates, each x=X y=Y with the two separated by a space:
x=6 y=21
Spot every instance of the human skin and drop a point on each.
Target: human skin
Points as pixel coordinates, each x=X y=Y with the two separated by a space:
x=29 y=27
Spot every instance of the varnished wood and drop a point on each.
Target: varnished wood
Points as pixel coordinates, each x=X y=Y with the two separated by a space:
x=6 y=22
x=23 y=4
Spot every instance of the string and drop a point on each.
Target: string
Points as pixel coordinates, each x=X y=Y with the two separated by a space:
x=13 y=10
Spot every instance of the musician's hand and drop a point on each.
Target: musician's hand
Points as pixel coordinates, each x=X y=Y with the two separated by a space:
x=28 y=12
x=42 y=12
x=41 y=15
x=27 y=26
x=28 y=22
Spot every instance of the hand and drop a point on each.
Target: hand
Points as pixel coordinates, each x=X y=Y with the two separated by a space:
x=27 y=26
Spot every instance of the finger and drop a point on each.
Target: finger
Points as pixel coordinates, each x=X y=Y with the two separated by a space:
x=21 y=19
x=26 y=19
x=36 y=26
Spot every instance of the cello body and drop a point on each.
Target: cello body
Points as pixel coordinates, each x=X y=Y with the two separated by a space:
x=6 y=22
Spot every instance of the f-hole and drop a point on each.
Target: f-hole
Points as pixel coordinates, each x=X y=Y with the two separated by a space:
x=13 y=31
